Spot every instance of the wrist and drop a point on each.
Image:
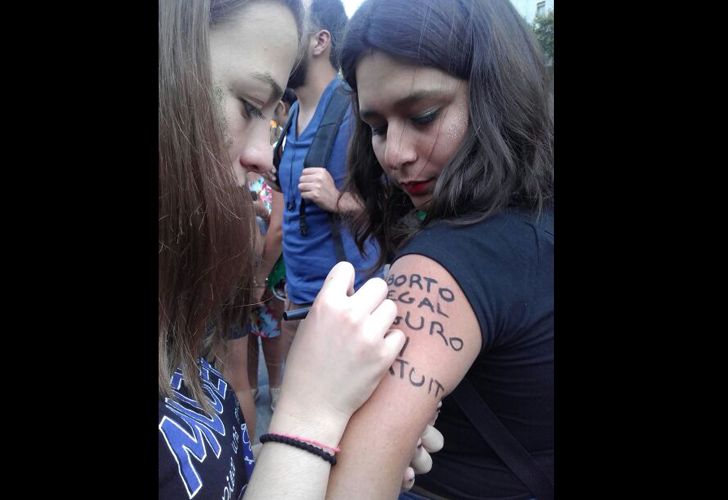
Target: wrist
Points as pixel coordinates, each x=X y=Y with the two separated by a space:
x=348 y=204
x=319 y=424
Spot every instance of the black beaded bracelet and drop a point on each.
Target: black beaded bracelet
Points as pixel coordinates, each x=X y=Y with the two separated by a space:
x=299 y=444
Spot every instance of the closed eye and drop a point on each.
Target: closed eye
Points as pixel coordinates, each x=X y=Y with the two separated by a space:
x=426 y=118
x=421 y=121
x=251 y=111
x=379 y=130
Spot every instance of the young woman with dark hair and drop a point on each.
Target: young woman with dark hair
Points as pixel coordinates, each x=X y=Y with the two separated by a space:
x=453 y=158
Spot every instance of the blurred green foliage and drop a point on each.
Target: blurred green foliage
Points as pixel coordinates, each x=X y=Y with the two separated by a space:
x=543 y=27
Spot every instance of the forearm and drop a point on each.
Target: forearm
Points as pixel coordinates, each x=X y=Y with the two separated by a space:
x=378 y=446
x=283 y=471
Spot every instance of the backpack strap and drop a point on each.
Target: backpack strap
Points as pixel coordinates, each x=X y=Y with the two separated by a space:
x=318 y=156
x=323 y=141
x=503 y=443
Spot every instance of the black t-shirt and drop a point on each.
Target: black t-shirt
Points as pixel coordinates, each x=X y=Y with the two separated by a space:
x=504 y=265
x=203 y=456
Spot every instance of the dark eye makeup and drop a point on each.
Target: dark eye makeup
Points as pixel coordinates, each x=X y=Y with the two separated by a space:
x=420 y=120
x=426 y=118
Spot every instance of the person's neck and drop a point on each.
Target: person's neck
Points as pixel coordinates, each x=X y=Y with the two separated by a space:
x=309 y=94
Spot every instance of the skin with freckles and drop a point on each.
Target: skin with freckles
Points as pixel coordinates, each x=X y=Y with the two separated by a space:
x=418 y=117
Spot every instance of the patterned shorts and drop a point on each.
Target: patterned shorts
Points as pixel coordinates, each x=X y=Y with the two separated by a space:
x=265 y=318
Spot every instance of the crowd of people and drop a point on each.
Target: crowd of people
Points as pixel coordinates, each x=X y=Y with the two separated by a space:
x=391 y=173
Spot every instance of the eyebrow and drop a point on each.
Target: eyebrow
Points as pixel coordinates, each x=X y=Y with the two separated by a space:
x=408 y=100
x=276 y=92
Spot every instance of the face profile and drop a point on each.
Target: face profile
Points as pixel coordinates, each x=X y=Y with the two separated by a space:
x=250 y=70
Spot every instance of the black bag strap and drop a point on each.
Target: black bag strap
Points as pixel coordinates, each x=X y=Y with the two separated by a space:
x=505 y=445
x=318 y=156
x=323 y=142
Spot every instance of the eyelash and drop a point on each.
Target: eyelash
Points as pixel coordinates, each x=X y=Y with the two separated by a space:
x=379 y=130
x=420 y=121
x=251 y=111
x=427 y=118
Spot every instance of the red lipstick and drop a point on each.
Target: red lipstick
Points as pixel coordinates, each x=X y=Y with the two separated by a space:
x=415 y=188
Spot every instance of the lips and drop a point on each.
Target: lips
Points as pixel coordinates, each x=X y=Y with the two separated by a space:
x=416 y=187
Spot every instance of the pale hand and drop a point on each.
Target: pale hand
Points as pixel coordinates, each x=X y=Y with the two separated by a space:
x=342 y=349
x=317 y=185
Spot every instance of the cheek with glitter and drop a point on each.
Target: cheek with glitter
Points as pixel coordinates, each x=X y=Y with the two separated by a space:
x=455 y=130
x=450 y=136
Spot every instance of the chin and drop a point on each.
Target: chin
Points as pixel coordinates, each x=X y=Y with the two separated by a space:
x=420 y=203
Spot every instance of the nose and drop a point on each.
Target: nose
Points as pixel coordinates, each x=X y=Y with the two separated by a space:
x=400 y=148
x=257 y=153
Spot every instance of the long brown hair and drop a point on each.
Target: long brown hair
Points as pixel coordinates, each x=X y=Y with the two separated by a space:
x=206 y=222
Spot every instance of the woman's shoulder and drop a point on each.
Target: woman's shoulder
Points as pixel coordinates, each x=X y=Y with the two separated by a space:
x=507 y=227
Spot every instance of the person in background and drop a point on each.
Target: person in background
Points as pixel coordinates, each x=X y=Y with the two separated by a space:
x=313 y=201
x=266 y=314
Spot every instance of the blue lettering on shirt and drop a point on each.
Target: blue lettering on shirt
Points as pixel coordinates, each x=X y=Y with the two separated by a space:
x=186 y=435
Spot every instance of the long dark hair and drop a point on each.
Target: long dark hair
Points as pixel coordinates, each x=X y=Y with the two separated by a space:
x=506 y=157
x=206 y=222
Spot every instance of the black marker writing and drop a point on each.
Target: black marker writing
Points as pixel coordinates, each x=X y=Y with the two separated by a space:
x=403 y=300
x=443 y=293
x=439 y=311
x=412 y=379
x=416 y=384
x=422 y=322
x=406 y=343
x=426 y=302
x=435 y=327
x=448 y=292
x=456 y=341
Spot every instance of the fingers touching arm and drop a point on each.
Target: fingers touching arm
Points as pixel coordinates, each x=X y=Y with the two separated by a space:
x=443 y=340
x=339 y=354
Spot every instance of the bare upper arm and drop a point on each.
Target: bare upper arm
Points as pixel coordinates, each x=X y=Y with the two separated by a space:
x=443 y=340
x=276 y=217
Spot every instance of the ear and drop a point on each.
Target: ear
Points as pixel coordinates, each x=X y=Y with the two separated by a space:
x=281 y=111
x=280 y=107
x=321 y=42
